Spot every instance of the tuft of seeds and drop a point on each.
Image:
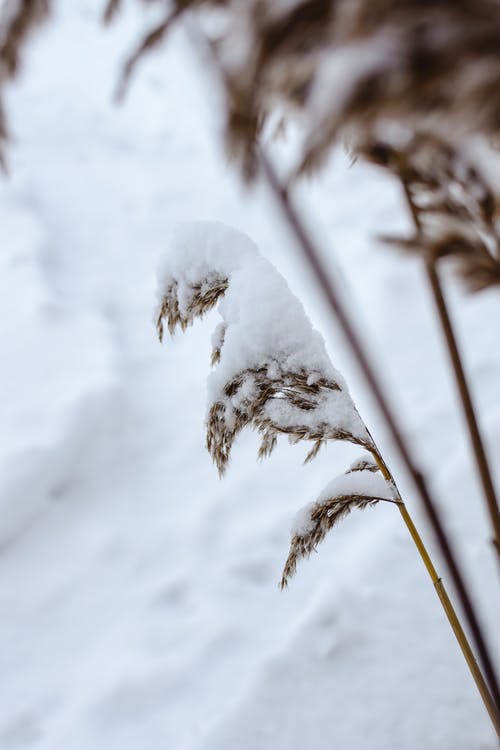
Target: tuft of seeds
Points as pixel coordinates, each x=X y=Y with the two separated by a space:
x=247 y=399
x=253 y=410
x=203 y=297
x=326 y=513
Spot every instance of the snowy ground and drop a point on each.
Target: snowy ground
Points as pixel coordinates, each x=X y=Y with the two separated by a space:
x=138 y=594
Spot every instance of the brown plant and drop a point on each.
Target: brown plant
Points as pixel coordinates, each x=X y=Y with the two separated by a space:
x=331 y=508
x=257 y=396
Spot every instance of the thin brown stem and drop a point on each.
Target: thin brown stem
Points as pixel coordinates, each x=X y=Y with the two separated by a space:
x=467 y=405
x=443 y=598
x=476 y=440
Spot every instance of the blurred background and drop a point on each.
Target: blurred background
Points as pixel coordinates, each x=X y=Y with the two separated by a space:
x=138 y=593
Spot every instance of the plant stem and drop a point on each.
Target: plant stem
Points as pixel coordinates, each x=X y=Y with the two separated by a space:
x=467 y=405
x=333 y=299
x=461 y=381
x=444 y=599
x=327 y=286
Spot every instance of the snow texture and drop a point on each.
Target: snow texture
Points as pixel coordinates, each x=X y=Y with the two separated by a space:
x=263 y=325
x=263 y=321
x=138 y=593
x=366 y=483
x=363 y=483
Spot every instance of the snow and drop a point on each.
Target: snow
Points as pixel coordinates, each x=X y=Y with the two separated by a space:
x=62 y=369
x=334 y=410
x=199 y=249
x=366 y=483
x=261 y=318
x=138 y=593
x=362 y=483
x=264 y=326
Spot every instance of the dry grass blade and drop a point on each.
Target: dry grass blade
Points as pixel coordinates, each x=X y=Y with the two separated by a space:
x=363 y=464
x=28 y=15
x=111 y=10
x=151 y=41
x=280 y=65
x=155 y=36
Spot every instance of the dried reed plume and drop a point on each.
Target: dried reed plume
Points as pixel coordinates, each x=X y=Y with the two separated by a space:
x=454 y=216
x=19 y=18
x=350 y=65
x=269 y=395
x=293 y=388
x=203 y=297
x=276 y=394
x=452 y=203
x=317 y=519
x=359 y=69
x=355 y=69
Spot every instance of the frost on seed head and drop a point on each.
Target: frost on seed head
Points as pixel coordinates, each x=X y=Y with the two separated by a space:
x=271 y=370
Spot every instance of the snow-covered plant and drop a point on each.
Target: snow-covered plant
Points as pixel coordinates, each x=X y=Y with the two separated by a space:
x=383 y=74
x=370 y=71
x=272 y=372
x=365 y=71
x=362 y=486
